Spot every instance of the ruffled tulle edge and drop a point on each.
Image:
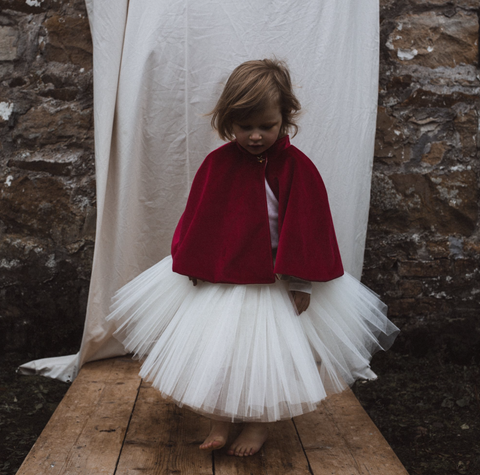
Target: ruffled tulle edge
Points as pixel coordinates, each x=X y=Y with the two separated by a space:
x=287 y=412
x=139 y=331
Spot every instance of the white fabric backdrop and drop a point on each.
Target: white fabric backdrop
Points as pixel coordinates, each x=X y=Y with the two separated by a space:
x=158 y=67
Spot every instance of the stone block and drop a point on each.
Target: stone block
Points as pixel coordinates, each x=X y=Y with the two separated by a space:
x=410 y=288
x=66 y=94
x=414 y=308
x=469 y=4
x=47 y=124
x=70 y=7
x=379 y=280
x=431 y=39
x=419 y=268
x=427 y=118
x=413 y=202
x=40 y=206
x=19 y=255
x=6 y=111
x=422 y=98
x=434 y=153
x=473 y=248
x=468 y=269
x=438 y=249
x=52 y=162
x=389 y=139
x=467 y=124
x=8 y=43
x=68 y=40
x=27 y=6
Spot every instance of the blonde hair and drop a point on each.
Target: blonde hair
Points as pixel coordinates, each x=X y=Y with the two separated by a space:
x=253 y=86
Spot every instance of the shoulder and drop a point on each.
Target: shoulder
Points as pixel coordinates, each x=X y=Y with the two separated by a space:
x=225 y=150
x=297 y=161
x=298 y=156
x=218 y=158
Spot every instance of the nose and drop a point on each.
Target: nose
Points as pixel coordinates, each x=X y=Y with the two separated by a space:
x=255 y=135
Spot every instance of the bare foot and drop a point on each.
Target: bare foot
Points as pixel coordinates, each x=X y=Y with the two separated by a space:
x=250 y=440
x=218 y=436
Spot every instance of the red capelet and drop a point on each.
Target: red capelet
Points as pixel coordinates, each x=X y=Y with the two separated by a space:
x=224 y=234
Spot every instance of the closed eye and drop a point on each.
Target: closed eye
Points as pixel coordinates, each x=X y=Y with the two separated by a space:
x=262 y=127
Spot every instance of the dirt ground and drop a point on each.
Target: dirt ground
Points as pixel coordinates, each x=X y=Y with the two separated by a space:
x=427 y=409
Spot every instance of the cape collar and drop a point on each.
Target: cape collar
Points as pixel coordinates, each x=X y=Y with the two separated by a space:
x=279 y=146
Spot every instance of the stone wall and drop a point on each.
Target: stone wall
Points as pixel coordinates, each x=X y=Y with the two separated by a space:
x=47 y=176
x=423 y=245
x=423 y=242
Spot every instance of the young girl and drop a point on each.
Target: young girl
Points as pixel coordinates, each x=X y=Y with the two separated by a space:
x=271 y=324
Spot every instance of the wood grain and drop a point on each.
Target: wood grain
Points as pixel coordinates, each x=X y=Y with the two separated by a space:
x=365 y=442
x=86 y=432
x=281 y=454
x=324 y=445
x=164 y=439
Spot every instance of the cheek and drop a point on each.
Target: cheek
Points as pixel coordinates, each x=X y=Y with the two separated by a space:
x=274 y=135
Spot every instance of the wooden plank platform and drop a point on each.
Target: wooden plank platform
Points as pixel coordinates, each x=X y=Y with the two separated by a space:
x=111 y=422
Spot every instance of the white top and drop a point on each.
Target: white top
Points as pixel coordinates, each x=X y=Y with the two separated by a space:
x=294 y=283
x=272 y=205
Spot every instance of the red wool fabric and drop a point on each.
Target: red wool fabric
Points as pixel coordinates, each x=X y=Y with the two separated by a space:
x=223 y=235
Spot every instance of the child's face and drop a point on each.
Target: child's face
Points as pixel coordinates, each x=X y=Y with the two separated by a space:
x=260 y=131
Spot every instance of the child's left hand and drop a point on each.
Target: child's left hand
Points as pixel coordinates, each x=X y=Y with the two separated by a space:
x=301 y=300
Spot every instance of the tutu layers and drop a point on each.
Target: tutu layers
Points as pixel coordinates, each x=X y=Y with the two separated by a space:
x=240 y=352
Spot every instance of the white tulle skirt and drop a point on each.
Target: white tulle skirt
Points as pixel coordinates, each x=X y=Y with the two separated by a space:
x=240 y=352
